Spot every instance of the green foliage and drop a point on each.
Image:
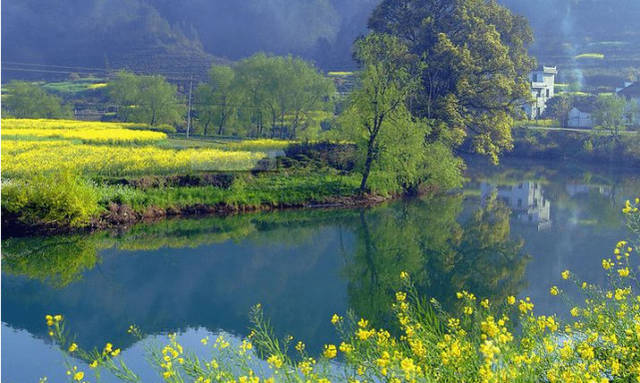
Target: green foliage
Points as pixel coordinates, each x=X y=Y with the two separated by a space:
x=216 y=100
x=580 y=146
x=264 y=96
x=148 y=99
x=558 y=108
x=280 y=93
x=245 y=192
x=394 y=149
x=56 y=260
x=473 y=66
x=50 y=200
x=27 y=100
x=609 y=114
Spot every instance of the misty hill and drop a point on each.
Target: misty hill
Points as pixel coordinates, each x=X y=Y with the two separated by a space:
x=596 y=42
x=96 y=34
x=183 y=36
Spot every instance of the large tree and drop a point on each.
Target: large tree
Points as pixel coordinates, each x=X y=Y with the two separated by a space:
x=609 y=114
x=474 y=66
x=27 y=100
x=148 y=99
x=395 y=156
x=558 y=108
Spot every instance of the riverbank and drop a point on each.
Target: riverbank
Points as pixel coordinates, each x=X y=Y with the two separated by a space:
x=118 y=206
x=582 y=146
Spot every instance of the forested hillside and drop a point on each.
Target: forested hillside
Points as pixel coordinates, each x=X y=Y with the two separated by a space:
x=185 y=36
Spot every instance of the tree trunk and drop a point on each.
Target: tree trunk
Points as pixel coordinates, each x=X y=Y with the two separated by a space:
x=367 y=165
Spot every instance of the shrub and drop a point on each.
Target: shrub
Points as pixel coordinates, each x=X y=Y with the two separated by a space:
x=58 y=199
x=165 y=128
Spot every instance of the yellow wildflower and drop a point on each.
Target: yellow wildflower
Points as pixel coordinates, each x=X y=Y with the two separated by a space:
x=330 y=351
x=275 y=361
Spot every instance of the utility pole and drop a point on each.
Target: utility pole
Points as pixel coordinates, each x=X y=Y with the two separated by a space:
x=189 y=112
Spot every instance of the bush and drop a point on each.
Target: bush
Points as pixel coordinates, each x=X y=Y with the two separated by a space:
x=164 y=128
x=50 y=200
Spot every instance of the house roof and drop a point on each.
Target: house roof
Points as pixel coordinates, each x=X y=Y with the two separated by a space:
x=632 y=91
x=585 y=104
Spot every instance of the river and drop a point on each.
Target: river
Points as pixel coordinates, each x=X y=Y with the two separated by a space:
x=511 y=230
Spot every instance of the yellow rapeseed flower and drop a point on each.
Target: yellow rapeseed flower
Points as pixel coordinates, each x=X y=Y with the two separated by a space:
x=565 y=274
x=624 y=272
x=511 y=300
x=275 y=361
x=554 y=290
x=73 y=347
x=330 y=351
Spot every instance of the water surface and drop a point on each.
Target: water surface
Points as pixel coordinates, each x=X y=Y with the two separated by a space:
x=510 y=231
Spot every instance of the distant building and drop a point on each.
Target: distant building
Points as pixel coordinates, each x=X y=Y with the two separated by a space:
x=579 y=119
x=525 y=200
x=543 y=82
x=581 y=115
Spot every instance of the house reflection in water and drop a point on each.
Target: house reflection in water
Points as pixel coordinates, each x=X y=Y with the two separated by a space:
x=525 y=200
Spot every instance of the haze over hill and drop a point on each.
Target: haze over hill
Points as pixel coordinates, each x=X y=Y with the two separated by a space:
x=186 y=36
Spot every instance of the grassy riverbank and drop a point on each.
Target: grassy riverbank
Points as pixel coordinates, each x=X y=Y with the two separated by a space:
x=68 y=175
x=584 y=146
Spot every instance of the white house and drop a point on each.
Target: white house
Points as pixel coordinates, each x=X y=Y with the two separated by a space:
x=542 y=89
x=579 y=119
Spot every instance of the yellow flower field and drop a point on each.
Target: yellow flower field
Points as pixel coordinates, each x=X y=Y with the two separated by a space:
x=110 y=149
x=26 y=123
x=20 y=159
x=86 y=131
x=89 y=135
